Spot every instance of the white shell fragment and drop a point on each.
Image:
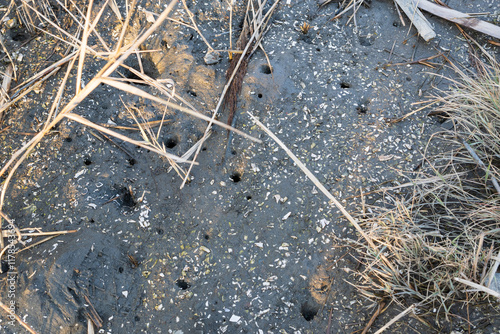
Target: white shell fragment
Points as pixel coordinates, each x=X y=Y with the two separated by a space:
x=323 y=222
x=235 y=318
x=150 y=18
x=204 y=249
x=212 y=57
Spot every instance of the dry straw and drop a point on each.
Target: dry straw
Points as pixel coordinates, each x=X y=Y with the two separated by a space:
x=444 y=235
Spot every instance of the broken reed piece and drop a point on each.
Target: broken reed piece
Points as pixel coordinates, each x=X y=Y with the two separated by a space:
x=417 y=19
x=458 y=17
x=7 y=79
x=478 y=287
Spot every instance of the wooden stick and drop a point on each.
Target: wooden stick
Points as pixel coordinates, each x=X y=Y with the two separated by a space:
x=4 y=91
x=478 y=287
x=417 y=19
x=92 y=313
x=83 y=46
x=459 y=17
x=36 y=243
x=5 y=234
x=378 y=311
x=316 y=182
x=396 y=318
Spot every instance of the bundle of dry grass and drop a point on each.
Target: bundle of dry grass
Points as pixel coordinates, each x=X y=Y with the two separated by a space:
x=443 y=238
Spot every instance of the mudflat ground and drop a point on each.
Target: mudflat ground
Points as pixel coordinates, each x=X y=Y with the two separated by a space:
x=249 y=245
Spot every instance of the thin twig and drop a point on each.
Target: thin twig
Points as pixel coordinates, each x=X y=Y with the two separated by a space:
x=478 y=287
x=21 y=322
x=378 y=311
x=316 y=182
x=396 y=318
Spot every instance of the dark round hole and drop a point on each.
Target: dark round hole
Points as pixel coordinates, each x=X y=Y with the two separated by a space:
x=128 y=200
x=362 y=109
x=68 y=139
x=137 y=318
x=87 y=161
x=318 y=49
x=159 y=231
x=18 y=36
x=259 y=95
x=182 y=284
x=266 y=69
x=171 y=142
x=408 y=79
x=344 y=85
x=193 y=94
x=206 y=236
x=120 y=270
x=131 y=161
x=4 y=267
x=308 y=311
x=235 y=177
x=249 y=197
x=233 y=152
x=204 y=149
x=92 y=220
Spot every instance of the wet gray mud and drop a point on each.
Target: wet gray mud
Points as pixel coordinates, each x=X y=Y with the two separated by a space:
x=249 y=245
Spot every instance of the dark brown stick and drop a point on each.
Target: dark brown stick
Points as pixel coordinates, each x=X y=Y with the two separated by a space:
x=379 y=310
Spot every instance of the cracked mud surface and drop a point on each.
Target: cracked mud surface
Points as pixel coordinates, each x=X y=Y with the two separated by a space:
x=249 y=246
